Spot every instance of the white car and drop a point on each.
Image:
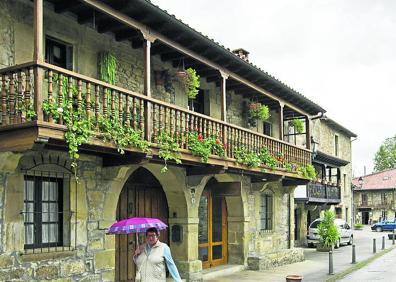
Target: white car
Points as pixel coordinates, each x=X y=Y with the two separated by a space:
x=345 y=231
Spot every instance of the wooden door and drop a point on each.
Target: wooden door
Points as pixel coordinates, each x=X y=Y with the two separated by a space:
x=212 y=230
x=142 y=196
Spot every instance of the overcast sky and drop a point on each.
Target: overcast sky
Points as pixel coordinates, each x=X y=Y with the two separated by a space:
x=339 y=53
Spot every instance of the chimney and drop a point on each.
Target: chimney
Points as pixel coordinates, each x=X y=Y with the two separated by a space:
x=242 y=53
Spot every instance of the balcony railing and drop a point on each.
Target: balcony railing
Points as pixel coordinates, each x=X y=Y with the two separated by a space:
x=149 y=116
x=318 y=192
x=378 y=205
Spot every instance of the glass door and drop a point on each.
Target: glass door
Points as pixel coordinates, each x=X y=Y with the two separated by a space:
x=212 y=230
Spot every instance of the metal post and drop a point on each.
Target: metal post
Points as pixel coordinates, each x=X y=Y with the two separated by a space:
x=353 y=254
x=393 y=237
x=374 y=246
x=383 y=242
x=331 y=270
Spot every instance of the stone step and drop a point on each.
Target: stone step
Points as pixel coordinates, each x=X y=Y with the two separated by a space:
x=223 y=270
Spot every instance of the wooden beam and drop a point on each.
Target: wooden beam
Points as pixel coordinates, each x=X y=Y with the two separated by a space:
x=294 y=182
x=127 y=20
x=281 y=133
x=127 y=159
x=38 y=56
x=198 y=170
x=147 y=88
x=223 y=91
x=127 y=34
x=109 y=25
x=63 y=6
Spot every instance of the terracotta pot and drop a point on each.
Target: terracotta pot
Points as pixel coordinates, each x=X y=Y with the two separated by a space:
x=181 y=75
x=293 y=278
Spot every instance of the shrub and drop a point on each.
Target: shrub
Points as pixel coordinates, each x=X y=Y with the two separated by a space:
x=328 y=231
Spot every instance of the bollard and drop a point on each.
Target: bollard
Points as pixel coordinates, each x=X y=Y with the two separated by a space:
x=393 y=237
x=383 y=242
x=331 y=271
x=353 y=254
x=374 y=246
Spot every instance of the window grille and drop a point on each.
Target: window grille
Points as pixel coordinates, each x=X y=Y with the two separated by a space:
x=50 y=225
x=266 y=212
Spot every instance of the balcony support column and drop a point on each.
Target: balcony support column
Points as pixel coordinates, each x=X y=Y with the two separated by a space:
x=148 y=39
x=38 y=56
x=307 y=133
x=223 y=90
x=281 y=133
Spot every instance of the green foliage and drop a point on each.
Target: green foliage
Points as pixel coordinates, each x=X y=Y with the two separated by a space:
x=122 y=136
x=298 y=125
x=107 y=66
x=358 y=226
x=385 y=157
x=168 y=150
x=246 y=157
x=327 y=230
x=203 y=147
x=192 y=83
x=307 y=171
x=267 y=159
x=259 y=111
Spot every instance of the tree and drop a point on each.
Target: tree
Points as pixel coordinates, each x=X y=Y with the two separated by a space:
x=385 y=158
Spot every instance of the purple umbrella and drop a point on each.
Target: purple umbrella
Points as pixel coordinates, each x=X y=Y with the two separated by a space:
x=136 y=225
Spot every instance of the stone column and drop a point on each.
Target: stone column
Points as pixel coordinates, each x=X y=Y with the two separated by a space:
x=186 y=251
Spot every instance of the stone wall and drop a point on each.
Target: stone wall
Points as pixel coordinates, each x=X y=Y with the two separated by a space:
x=374 y=201
x=7 y=43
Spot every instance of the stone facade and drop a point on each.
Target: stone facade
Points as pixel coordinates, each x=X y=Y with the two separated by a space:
x=89 y=254
x=326 y=134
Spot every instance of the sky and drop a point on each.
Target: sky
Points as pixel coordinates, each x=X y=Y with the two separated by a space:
x=341 y=54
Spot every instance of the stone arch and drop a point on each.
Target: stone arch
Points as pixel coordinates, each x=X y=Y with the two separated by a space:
x=172 y=182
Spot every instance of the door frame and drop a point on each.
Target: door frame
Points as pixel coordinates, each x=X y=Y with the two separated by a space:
x=224 y=229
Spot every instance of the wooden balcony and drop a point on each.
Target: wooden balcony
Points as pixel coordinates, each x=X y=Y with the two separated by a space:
x=389 y=204
x=25 y=88
x=323 y=193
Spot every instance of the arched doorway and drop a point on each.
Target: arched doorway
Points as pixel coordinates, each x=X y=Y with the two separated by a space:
x=212 y=229
x=141 y=196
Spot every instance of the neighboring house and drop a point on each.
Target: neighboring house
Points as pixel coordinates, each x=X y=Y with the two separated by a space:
x=374 y=197
x=331 y=189
x=55 y=206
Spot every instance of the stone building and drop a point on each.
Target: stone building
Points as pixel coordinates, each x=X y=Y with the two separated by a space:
x=331 y=189
x=374 y=197
x=96 y=126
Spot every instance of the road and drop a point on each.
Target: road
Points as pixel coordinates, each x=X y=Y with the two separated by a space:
x=315 y=266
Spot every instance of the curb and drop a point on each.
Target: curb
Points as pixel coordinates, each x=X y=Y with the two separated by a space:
x=358 y=265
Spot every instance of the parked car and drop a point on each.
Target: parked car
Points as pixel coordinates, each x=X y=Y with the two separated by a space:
x=385 y=225
x=345 y=231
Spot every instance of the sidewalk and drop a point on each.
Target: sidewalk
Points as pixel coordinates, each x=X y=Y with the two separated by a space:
x=382 y=269
x=315 y=267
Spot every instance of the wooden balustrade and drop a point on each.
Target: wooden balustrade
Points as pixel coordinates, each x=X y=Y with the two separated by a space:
x=98 y=99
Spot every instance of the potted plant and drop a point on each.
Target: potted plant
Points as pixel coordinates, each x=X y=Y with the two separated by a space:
x=298 y=125
x=259 y=111
x=328 y=232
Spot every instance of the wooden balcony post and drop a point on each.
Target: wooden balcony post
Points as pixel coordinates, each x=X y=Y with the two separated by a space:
x=148 y=39
x=307 y=133
x=38 y=56
x=223 y=93
x=281 y=133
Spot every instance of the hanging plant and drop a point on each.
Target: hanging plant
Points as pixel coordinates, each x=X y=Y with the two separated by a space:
x=298 y=125
x=259 y=111
x=168 y=150
x=192 y=83
x=107 y=66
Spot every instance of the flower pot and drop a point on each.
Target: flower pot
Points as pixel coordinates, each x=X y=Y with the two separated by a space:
x=181 y=75
x=293 y=278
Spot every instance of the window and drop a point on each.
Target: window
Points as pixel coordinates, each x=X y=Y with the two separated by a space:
x=43 y=212
x=58 y=53
x=364 y=199
x=267 y=128
x=383 y=198
x=197 y=104
x=336 y=145
x=266 y=212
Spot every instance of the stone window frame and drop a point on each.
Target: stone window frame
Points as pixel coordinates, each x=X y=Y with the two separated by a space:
x=266 y=216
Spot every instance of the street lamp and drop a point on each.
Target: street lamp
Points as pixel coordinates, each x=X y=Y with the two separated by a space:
x=360 y=181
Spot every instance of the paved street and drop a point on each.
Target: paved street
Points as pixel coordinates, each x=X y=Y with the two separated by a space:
x=315 y=266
